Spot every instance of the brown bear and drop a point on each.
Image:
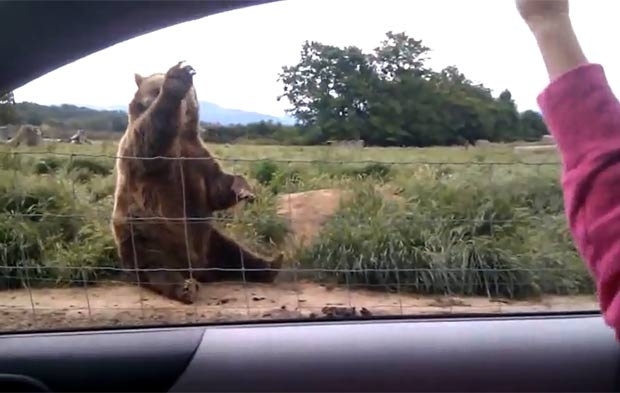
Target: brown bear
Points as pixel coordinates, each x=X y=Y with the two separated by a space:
x=163 y=205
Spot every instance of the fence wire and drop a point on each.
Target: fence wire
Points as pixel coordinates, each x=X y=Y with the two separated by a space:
x=359 y=238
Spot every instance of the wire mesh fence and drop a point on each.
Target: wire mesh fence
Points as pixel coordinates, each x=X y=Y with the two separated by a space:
x=361 y=232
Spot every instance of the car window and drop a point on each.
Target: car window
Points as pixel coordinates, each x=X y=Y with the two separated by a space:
x=377 y=168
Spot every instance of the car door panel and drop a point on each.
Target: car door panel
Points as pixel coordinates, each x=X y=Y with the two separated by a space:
x=529 y=353
x=116 y=360
x=577 y=353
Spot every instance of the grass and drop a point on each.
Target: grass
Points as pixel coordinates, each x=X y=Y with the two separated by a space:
x=477 y=221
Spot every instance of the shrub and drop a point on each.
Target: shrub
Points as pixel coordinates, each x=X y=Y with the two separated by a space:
x=48 y=165
x=264 y=171
x=454 y=237
x=47 y=236
x=375 y=170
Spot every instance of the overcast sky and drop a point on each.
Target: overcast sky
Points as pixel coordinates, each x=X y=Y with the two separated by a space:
x=238 y=54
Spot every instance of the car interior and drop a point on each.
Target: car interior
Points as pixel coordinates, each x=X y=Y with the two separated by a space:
x=529 y=351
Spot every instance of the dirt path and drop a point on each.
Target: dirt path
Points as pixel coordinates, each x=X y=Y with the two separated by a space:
x=307 y=211
x=116 y=305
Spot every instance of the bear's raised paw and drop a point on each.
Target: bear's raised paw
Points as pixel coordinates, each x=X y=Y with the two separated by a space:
x=179 y=79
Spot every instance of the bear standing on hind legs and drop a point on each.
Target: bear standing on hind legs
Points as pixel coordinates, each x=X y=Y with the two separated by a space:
x=162 y=205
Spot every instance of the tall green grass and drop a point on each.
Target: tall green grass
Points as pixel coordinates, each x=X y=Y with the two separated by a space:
x=477 y=229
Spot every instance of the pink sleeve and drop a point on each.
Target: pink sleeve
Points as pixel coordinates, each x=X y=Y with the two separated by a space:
x=583 y=115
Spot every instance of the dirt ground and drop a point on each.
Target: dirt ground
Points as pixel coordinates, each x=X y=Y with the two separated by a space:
x=307 y=211
x=124 y=305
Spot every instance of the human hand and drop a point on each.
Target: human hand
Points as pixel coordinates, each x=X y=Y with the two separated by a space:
x=538 y=13
x=550 y=23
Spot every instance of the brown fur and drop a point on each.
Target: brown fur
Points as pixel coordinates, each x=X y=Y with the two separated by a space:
x=150 y=218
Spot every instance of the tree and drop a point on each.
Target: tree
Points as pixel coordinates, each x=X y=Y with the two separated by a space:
x=7 y=108
x=329 y=89
x=507 y=120
x=532 y=125
x=391 y=97
x=400 y=55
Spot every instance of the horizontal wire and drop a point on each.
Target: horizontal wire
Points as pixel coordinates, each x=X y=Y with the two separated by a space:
x=240 y=219
x=296 y=269
x=290 y=161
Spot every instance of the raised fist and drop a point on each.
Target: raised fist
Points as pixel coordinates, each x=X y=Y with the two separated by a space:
x=242 y=189
x=179 y=80
x=542 y=11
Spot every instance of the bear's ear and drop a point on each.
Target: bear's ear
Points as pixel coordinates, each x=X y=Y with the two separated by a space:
x=138 y=78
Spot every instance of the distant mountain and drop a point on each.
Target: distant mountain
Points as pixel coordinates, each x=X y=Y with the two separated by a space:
x=213 y=113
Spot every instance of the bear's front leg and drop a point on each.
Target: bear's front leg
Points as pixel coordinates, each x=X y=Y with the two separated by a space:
x=242 y=189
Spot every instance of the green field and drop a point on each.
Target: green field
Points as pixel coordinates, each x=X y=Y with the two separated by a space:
x=478 y=221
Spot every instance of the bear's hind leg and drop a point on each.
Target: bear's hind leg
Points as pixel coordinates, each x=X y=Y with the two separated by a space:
x=223 y=252
x=172 y=285
x=143 y=255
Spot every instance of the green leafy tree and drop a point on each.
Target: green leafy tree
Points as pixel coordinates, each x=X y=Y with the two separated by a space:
x=391 y=97
x=532 y=125
x=7 y=108
x=329 y=90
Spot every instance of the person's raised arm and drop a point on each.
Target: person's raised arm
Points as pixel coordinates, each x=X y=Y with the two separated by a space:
x=583 y=116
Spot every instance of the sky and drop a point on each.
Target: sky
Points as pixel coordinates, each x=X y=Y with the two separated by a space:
x=238 y=54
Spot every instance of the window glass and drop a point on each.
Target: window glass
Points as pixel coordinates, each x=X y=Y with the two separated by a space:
x=385 y=158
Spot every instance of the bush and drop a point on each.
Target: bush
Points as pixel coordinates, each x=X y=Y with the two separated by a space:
x=278 y=179
x=375 y=170
x=82 y=170
x=258 y=223
x=48 y=165
x=46 y=235
x=455 y=236
x=265 y=171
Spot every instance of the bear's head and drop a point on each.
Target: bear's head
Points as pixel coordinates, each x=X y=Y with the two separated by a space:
x=149 y=87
